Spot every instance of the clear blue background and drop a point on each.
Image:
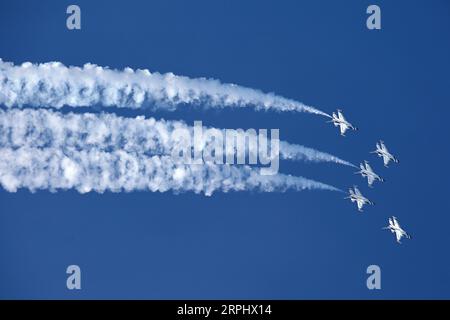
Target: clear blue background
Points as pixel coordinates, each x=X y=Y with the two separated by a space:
x=393 y=84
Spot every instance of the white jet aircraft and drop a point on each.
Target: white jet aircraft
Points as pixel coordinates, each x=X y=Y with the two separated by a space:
x=394 y=227
x=382 y=151
x=339 y=120
x=366 y=171
x=356 y=196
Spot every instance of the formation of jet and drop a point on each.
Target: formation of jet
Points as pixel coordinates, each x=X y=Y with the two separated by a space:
x=394 y=227
x=382 y=151
x=367 y=172
x=339 y=121
x=356 y=196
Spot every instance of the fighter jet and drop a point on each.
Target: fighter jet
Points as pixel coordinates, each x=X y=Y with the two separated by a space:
x=356 y=196
x=339 y=120
x=394 y=226
x=382 y=151
x=366 y=171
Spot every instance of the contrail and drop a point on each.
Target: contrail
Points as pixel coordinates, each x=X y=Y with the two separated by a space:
x=93 y=170
x=297 y=152
x=41 y=128
x=55 y=85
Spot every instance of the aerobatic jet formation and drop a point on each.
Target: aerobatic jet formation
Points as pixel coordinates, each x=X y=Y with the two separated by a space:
x=356 y=196
x=383 y=152
x=394 y=227
x=367 y=172
x=338 y=120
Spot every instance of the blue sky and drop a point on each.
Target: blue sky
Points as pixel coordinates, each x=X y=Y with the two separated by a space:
x=392 y=83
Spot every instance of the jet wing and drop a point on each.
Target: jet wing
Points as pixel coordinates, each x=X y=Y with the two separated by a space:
x=360 y=204
x=357 y=192
x=368 y=167
x=341 y=116
x=398 y=235
x=370 y=180
x=383 y=147
x=343 y=127
x=386 y=159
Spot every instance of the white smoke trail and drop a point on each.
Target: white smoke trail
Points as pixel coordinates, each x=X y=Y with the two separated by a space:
x=93 y=170
x=296 y=152
x=42 y=128
x=55 y=85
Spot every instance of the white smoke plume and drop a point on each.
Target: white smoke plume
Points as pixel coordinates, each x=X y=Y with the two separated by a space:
x=40 y=128
x=297 y=152
x=93 y=170
x=55 y=85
